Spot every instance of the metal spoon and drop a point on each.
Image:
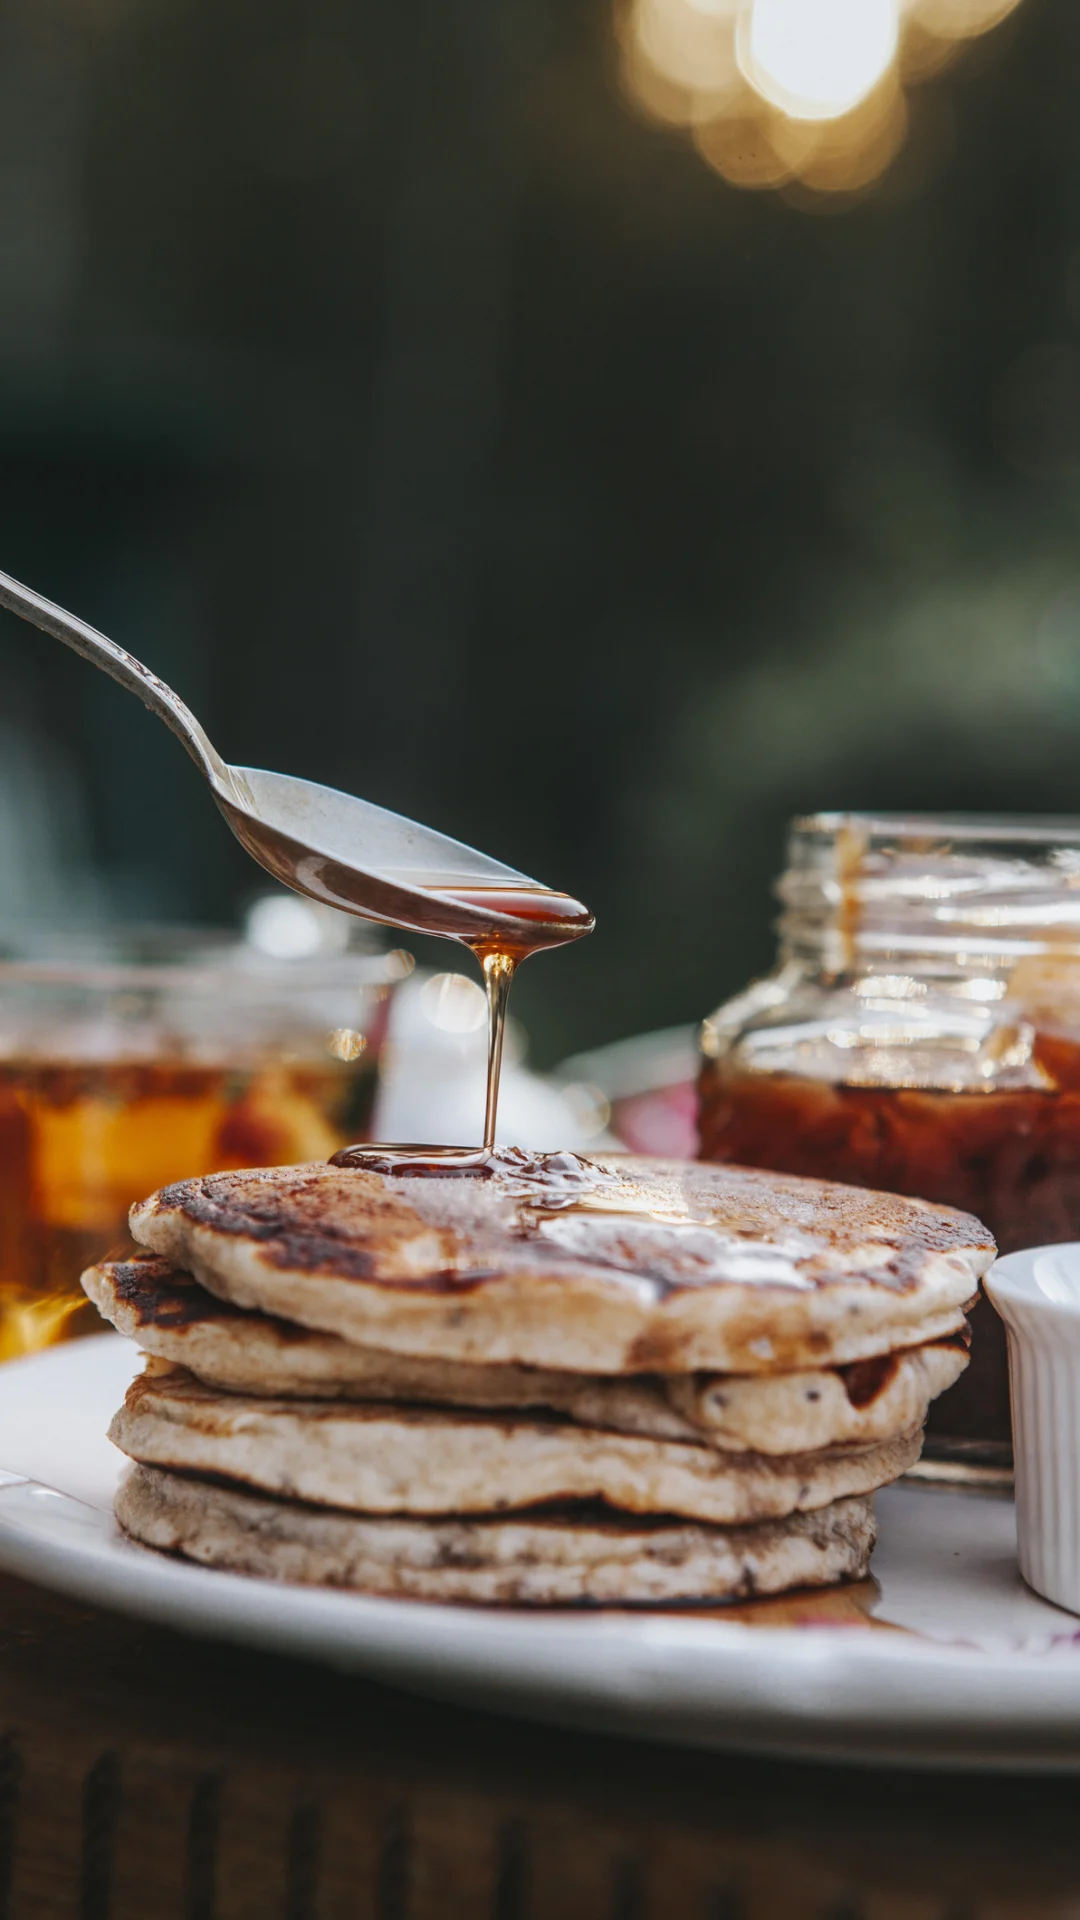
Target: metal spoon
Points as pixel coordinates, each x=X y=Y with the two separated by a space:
x=335 y=848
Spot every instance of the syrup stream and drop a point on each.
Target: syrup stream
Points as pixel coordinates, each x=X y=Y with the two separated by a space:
x=499 y=970
x=553 y=919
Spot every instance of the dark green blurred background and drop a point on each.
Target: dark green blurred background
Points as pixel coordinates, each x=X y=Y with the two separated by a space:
x=444 y=430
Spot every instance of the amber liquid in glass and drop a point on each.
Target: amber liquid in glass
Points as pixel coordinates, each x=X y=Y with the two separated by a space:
x=80 y=1142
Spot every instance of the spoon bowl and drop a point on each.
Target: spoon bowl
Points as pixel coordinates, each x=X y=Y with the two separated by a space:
x=311 y=838
x=330 y=845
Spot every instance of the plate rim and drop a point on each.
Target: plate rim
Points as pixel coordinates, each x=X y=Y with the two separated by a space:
x=837 y=1692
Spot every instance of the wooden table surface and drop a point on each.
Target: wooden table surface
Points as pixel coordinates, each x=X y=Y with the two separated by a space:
x=145 y=1776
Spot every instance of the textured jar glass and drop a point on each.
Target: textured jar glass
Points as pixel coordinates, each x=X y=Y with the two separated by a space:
x=920 y=1033
x=131 y=1059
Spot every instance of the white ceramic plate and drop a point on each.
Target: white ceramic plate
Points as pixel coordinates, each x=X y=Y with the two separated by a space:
x=987 y=1675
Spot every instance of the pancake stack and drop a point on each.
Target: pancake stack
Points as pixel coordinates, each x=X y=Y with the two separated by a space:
x=540 y=1380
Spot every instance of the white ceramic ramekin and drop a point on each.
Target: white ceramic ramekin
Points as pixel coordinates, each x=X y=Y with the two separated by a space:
x=1037 y=1293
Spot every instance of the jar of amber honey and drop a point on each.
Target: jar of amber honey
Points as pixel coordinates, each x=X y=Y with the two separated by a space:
x=129 y=1058
x=921 y=1034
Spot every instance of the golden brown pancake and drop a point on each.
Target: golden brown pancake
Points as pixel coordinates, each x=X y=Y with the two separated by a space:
x=173 y=1318
x=393 y=1459
x=613 y=1265
x=538 y=1559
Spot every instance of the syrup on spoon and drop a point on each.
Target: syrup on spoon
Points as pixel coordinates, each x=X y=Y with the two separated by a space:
x=345 y=851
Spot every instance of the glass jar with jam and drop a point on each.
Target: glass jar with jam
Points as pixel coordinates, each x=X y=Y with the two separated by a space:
x=921 y=1034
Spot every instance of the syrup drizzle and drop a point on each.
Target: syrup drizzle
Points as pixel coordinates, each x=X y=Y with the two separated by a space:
x=674 y=1228
x=415 y=1161
x=551 y=1180
x=547 y=1182
x=579 y=1209
x=553 y=920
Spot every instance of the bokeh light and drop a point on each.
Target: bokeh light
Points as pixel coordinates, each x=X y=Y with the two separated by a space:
x=807 y=93
x=686 y=45
x=816 y=59
x=453 y=1003
x=740 y=149
x=850 y=153
x=959 y=19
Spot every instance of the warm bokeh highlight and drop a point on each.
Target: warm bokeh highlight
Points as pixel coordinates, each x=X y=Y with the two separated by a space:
x=776 y=92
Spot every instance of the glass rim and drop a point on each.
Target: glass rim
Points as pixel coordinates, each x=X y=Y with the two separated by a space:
x=254 y=975
x=1012 y=828
x=993 y=887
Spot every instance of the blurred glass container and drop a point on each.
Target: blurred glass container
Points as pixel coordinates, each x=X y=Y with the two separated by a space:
x=920 y=1034
x=132 y=1058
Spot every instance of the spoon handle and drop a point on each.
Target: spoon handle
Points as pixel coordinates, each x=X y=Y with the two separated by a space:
x=122 y=666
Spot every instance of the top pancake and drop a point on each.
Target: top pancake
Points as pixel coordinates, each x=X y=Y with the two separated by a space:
x=617 y=1264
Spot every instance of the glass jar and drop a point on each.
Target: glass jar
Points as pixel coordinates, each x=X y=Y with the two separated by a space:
x=920 y=1034
x=129 y=1059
